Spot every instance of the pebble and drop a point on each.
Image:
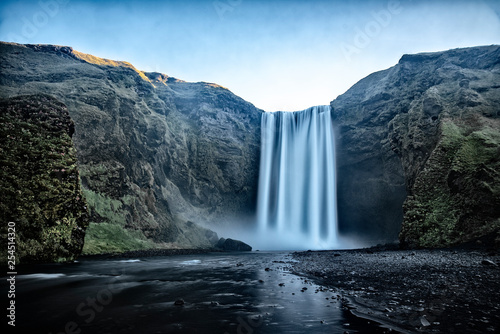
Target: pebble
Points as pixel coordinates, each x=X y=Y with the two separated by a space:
x=424 y=321
x=487 y=262
x=462 y=284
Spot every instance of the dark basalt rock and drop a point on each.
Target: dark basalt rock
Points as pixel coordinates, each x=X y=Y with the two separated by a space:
x=231 y=245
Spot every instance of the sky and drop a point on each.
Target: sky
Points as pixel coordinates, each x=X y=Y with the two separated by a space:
x=276 y=54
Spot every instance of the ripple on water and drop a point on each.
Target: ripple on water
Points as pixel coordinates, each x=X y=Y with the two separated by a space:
x=41 y=276
x=191 y=262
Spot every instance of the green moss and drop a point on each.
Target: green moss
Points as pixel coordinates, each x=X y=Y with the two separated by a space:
x=39 y=180
x=451 y=136
x=106 y=208
x=110 y=238
x=457 y=195
x=108 y=232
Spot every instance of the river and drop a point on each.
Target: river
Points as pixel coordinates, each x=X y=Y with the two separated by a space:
x=225 y=293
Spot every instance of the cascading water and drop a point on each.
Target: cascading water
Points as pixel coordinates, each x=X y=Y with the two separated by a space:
x=297 y=188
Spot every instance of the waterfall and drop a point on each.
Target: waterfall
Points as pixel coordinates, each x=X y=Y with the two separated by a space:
x=297 y=188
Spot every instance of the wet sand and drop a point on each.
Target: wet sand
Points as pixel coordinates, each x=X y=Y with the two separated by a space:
x=414 y=291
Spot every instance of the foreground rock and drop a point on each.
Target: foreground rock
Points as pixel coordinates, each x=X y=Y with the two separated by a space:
x=231 y=245
x=41 y=204
x=423 y=291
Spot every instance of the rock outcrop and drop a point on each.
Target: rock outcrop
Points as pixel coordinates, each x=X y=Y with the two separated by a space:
x=424 y=133
x=42 y=208
x=231 y=245
x=154 y=152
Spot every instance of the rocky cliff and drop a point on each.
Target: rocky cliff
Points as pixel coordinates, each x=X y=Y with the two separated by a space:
x=417 y=148
x=39 y=182
x=420 y=143
x=158 y=157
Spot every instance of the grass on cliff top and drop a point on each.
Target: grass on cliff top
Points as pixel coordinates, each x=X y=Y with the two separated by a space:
x=107 y=62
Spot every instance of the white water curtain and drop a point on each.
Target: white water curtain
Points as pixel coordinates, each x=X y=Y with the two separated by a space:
x=297 y=188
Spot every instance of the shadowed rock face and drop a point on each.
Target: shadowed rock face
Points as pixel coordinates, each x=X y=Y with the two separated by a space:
x=154 y=152
x=427 y=128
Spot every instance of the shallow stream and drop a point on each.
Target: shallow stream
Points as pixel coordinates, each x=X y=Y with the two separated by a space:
x=222 y=293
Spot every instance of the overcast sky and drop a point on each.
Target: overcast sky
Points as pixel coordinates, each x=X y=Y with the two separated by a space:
x=278 y=55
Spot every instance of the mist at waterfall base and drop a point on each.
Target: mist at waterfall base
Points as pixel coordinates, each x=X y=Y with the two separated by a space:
x=297 y=200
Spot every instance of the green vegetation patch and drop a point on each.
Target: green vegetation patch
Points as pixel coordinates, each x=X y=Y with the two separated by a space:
x=111 y=238
x=107 y=233
x=456 y=197
x=105 y=208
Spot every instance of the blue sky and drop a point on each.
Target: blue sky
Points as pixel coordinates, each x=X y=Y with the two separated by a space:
x=279 y=55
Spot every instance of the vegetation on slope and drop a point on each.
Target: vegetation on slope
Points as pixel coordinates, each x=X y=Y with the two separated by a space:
x=107 y=232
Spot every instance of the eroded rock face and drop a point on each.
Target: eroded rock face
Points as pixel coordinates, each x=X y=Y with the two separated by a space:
x=154 y=152
x=426 y=128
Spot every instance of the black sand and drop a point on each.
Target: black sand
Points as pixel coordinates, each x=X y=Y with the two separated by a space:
x=420 y=291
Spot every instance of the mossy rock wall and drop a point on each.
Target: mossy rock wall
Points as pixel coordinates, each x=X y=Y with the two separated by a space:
x=39 y=180
x=456 y=197
x=417 y=150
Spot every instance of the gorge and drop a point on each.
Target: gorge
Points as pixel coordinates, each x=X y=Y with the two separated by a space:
x=137 y=171
x=163 y=163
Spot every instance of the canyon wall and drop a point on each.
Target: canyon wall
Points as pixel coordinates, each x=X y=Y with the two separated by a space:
x=418 y=143
x=160 y=158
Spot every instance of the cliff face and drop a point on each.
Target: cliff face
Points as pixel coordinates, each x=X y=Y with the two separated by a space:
x=39 y=181
x=424 y=133
x=157 y=155
x=417 y=143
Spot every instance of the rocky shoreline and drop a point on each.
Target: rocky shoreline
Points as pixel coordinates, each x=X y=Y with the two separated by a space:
x=413 y=291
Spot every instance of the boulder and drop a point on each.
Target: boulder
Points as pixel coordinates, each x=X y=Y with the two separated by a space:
x=231 y=245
